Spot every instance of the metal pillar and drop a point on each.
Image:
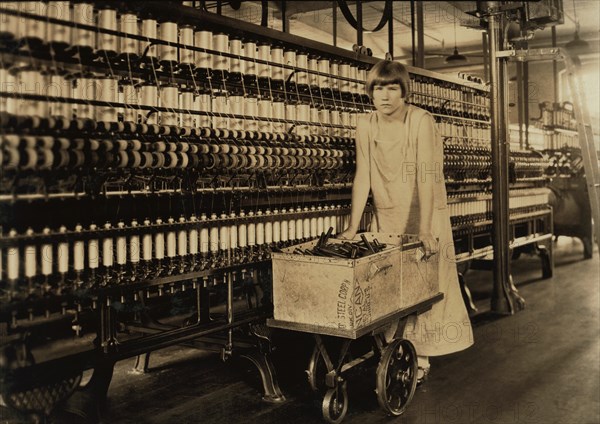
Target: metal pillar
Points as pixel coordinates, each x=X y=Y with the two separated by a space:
x=420 y=36
x=505 y=299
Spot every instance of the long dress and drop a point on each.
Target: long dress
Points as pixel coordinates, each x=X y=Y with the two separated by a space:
x=394 y=170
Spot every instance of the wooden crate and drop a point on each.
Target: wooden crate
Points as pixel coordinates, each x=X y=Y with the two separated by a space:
x=348 y=297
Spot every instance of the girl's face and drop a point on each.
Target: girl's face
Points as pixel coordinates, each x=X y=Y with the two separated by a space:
x=388 y=98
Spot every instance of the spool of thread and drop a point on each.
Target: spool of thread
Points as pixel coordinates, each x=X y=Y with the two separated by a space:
x=334 y=70
x=314 y=119
x=334 y=117
x=302 y=114
x=290 y=116
x=221 y=45
x=323 y=68
x=130 y=97
x=159 y=242
x=58 y=34
x=93 y=250
x=107 y=248
x=344 y=72
x=302 y=65
x=249 y=66
x=193 y=236
x=84 y=89
x=224 y=237
x=354 y=77
x=213 y=232
x=279 y=112
x=236 y=107
x=289 y=59
x=186 y=37
x=186 y=102
x=13 y=261
x=182 y=240
x=129 y=25
x=251 y=230
x=284 y=227
x=107 y=91
x=299 y=225
x=203 y=39
x=147 y=242
x=46 y=255
x=233 y=233
x=33 y=82
x=260 y=229
x=242 y=232
x=9 y=29
x=83 y=13
x=251 y=109
x=235 y=48
x=203 y=103
x=325 y=121
x=220 y=107
x=107 y=19
x=313 y=66
x=264 y=53
x=345 y=121
x=60 y=87
x=171 y=240
x=32 y=31
x=169 y=99
x=277 y=58
x=149 y=97
x=9 y=85
x=273 y=228
x=291 y=228
x=30 y=257
x=121 y=246
x=134 y=245
x=150 y=30
x=265 y=110
x=168 y=32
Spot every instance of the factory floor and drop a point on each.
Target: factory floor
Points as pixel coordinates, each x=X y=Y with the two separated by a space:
x=540 y=365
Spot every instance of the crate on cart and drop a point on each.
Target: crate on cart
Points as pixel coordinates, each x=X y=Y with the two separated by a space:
x=345 y=299
x=349 y=297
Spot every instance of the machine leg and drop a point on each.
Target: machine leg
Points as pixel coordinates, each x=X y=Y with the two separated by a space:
x=87 y=402
x=142 y=364
x=588 y=247
x=517 y=300
x=267 y=373
x=547 y=257
x=466 y=294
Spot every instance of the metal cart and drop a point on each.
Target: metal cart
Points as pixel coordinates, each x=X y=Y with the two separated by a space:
x=351 y=299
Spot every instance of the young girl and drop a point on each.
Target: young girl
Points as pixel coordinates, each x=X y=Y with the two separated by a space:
x=399 y=158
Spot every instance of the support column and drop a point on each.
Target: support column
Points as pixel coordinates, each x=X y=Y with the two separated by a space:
x=505 y=299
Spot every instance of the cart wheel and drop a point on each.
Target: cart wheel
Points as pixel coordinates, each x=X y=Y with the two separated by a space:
x=397 y=377
x=335 y=404
x=317 y=369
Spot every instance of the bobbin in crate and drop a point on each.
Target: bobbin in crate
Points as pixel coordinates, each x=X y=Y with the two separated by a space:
x=339 y=299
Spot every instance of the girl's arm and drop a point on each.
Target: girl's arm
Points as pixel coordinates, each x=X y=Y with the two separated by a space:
x=362 y=180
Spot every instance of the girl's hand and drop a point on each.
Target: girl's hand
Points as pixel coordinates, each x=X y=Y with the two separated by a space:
x=430 y=244
x=347 y=234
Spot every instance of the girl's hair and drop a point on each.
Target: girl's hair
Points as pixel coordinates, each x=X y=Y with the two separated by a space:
x=388 y=72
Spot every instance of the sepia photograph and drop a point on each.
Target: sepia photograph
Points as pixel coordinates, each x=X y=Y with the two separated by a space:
x=300 y=212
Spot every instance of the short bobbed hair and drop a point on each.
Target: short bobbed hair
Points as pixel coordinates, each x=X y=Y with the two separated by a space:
x=388 y=72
